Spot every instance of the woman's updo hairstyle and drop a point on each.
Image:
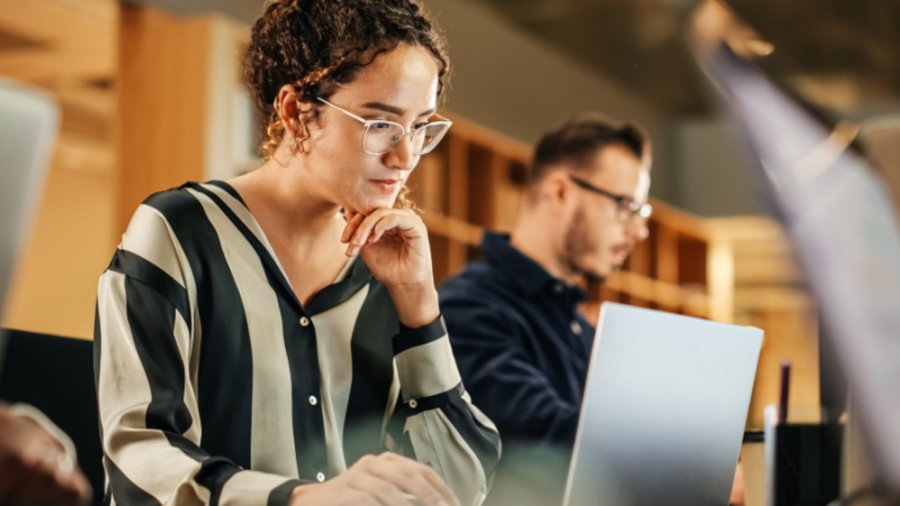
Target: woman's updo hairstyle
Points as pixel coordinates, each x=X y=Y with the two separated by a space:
x=317 y=44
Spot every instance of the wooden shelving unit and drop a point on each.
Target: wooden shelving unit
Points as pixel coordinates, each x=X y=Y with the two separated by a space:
x=476 y=180
x=732 y=270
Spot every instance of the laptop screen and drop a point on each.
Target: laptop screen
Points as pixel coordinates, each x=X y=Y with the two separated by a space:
x=664 y=409
x=842 y=225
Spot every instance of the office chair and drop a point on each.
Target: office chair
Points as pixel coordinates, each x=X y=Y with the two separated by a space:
x=56 y=375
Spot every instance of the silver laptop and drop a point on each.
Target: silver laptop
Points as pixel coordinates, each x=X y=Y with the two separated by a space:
x=664 y=410
x=28 y=125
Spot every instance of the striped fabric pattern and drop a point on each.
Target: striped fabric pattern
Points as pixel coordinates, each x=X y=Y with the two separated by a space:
x=216 y=386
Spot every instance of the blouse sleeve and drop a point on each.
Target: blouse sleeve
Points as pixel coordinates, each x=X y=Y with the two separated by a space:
x=435 y=421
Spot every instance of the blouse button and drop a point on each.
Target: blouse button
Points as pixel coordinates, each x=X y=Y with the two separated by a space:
x=412 y=403
x=576 y=327
x=304 y=321
x=320 y=476
x=312 y=400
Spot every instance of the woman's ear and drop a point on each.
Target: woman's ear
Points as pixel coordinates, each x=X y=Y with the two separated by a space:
x=292 y=110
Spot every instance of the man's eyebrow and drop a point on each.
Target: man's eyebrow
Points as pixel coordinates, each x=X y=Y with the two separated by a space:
x=379 y=106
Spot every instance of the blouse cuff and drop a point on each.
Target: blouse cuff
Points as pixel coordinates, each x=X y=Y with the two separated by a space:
x=425 y=362
x=254 y=488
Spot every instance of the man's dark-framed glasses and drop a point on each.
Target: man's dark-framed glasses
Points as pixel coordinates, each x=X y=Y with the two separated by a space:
x=626 y=207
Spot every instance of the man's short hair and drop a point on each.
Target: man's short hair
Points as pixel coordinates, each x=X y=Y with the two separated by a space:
x=579 y=139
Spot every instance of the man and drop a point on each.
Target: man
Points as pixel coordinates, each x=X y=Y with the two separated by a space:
x=521 y=344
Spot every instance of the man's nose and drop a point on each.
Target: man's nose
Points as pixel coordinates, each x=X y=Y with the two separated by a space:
x=636 y=228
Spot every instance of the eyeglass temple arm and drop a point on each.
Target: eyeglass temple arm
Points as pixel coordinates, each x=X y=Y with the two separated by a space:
x=345 y=111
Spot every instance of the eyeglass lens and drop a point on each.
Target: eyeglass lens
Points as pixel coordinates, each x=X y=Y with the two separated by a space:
x=381 y=137
x=627 y=211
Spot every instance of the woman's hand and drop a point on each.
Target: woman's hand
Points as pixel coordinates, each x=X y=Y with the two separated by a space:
x=394 y=245
x=375 y=481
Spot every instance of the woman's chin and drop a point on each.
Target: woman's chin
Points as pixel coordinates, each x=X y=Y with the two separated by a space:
x=368 y=206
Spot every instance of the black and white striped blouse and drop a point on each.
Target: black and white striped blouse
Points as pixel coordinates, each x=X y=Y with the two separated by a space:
x=216 y=386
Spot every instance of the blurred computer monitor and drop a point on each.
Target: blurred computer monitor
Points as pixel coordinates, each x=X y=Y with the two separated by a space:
x=880 y=137
x=843 y=228
x=28 y=125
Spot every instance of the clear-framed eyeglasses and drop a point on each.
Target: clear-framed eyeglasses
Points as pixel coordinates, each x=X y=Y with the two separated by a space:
x=626 y=207
x=383 y=135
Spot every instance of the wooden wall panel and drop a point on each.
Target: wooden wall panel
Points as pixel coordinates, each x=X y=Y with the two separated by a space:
x=162 y=100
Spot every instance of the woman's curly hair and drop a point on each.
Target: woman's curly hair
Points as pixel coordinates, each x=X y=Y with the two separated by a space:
x=318 y=44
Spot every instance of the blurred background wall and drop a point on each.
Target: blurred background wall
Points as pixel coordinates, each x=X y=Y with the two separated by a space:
x=151 y=96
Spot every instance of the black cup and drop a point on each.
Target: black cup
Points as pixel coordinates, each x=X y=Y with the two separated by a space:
x=807 y=464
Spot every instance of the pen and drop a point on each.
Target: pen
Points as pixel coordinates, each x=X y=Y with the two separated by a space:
x=783 y=395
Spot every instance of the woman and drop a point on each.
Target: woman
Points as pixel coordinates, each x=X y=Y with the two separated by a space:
x=264 y=340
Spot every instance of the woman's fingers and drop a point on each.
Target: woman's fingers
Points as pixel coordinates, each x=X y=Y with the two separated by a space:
x=437 y=483
x=399 y=222
x=353 y=221
x=374 y=226
x=393 y=219
x=385 y=492
x=357 y=231
x=386 y=480
x=417 y=479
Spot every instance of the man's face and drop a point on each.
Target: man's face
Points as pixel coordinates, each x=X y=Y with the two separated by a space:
x=598 y=240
